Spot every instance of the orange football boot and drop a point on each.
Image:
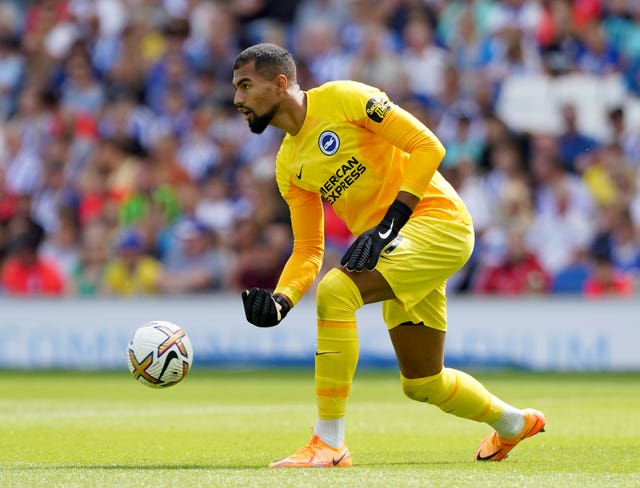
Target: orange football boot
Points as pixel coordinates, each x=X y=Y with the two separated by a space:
x=496 y=448
x=315 y=454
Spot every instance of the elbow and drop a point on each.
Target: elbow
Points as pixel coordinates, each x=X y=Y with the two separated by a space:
x=440 y=151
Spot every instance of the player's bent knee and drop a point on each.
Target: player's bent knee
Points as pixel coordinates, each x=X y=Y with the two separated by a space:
x=426 y=390
x=337 y=297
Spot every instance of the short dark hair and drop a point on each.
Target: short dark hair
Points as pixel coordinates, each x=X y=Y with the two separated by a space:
x=270 y=60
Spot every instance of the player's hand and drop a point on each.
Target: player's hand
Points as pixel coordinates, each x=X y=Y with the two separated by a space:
x=366 y=249
x=264 y=309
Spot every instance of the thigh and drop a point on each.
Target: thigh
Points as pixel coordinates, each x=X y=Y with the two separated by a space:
x=372 y=285
x=425 y=255
x=419 y=350
x=431 y=310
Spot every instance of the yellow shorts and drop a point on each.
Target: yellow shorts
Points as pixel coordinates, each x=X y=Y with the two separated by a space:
x=417 y=265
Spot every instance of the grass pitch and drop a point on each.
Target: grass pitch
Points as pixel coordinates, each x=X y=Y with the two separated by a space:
x=221 y=428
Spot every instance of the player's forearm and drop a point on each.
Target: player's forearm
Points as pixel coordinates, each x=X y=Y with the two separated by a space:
x=420 y=169
x=300 y=271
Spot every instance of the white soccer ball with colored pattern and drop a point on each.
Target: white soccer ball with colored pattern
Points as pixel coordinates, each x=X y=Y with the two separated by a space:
x=160 y=354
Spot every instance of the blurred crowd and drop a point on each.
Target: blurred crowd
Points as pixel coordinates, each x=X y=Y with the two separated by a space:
x=126 y=170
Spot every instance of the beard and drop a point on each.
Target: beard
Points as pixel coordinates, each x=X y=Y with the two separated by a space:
x=260 y=122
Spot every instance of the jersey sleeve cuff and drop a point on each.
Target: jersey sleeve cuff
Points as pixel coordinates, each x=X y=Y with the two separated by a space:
x=417 y=192
x=291 y=293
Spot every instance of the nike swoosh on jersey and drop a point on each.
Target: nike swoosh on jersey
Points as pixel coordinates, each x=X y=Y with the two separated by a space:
x=299 y=174
x=384 y=235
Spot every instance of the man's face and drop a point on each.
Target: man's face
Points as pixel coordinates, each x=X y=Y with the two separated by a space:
x=256 y=97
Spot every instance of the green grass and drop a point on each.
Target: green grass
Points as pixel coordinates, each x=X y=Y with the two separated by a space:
x=217 y=428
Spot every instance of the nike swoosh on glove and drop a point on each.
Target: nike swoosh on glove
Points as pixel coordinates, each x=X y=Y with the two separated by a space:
x=366 y=249
x=264 y=309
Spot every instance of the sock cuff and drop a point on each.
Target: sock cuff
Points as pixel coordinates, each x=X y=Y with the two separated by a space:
x=413 y=382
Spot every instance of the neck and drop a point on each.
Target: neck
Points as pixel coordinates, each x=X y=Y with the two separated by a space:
x=292 y=113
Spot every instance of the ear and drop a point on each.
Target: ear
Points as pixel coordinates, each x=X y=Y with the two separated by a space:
x=282 y=82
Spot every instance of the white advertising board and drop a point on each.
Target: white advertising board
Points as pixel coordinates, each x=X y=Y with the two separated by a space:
x=546 y=334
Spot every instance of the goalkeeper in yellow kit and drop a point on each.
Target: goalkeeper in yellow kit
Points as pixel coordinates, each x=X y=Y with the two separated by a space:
x=346 y=143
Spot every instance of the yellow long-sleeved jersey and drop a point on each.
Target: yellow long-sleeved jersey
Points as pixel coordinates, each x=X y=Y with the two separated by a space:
x=355 y=150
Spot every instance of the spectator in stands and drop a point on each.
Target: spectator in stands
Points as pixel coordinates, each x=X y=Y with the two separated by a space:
x=376 y=62
x=214 y=39
x=62 y=245
x=175 y=117
x=424 y=60
x=119 y=160
x=511 y=52
x=131 y=272
x=463 y=147
x=171 y=69
x=10 y=19
x=466 y=43
x=149 y=201
x=123 y=117
x=468 y=182
x=198 y=265
x=505 y=167
x=564 y=214
x=597 y=55
x=512 y=208
x=632 y=74
x=198 y=154
x=23 y=165
x=576 y=148
x=571 y=278
x=12 y=65
x=308 y=12
x=496 y=134
x=52 y=198
x=605 y=175
x=625 y=244
x=605 y=279
x=216 y=209
x=82 y=94
x=166 y=168
x=623 y=136
x=556 y=38
x=87 y=278
x=518 y=273
x=8 y=199
x=24 y=272
x=261 y=251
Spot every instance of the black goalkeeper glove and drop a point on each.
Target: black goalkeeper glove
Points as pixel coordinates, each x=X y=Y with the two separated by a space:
x=366 y=249
x=264 y=309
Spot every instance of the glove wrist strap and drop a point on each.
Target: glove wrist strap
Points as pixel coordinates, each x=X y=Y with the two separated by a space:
x=284 y=304
x=397 y=215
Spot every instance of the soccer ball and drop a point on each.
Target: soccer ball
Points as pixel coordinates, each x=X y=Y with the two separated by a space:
x=160 y=354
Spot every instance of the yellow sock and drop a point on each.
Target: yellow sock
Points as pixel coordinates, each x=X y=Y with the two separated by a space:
x=336 y=361
x=337 y=300
x=457 y=393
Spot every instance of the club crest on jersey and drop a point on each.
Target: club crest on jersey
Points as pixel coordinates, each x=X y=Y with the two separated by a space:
x=377 y=108
x=329 y=142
